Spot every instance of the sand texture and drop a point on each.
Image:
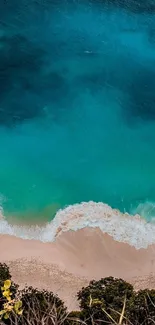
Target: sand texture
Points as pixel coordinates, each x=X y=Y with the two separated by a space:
x=75 y=258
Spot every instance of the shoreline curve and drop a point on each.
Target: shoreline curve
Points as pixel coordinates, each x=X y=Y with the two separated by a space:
x=73 y=259
x=134 y=230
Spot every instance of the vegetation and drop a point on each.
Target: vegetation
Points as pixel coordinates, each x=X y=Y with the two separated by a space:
x=108 y=301
x=41 y=307
x=10 y=304
x=104 y=299
x=12 y=288
x=142 y=307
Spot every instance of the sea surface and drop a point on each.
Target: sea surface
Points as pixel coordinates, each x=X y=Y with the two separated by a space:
x=77 y=106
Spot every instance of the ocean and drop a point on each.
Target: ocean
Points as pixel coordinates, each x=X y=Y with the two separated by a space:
x=77 y=107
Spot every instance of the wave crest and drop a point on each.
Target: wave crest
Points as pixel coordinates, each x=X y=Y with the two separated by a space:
x=126 y=228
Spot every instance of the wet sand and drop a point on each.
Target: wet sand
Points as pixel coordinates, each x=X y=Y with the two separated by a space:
x=75 y=258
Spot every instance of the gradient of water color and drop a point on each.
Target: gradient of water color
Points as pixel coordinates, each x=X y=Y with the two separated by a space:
x=77 y=106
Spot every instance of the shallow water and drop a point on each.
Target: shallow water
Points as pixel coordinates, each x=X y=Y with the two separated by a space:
x=77 y=106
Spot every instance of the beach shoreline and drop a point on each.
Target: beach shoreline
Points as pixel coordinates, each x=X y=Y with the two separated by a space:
x=123 y=227
x=73 y=259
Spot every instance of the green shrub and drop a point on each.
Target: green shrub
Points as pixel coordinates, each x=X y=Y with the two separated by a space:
x=142 y=308
x=104 y=299
x=101 y=302
x=4 y=272
x=41 y=307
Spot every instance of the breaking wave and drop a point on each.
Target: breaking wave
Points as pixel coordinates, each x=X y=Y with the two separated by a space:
x=134 y=230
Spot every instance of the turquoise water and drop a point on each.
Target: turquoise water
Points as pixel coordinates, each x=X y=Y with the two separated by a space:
x=77 y=106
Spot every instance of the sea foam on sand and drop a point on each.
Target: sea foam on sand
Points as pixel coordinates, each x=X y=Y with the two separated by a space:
x=62 y=260
x=133 y=230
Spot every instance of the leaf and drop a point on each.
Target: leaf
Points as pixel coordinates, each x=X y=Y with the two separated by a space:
x=6 y=316
x=17 y=306
x=2 y=312
x=97 y=302
x=6 y=294
x=20 y=312
x=7 y=284
x=8 y=298
x=90 y=301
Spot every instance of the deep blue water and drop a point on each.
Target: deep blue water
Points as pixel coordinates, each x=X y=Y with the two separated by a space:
x=77 y=105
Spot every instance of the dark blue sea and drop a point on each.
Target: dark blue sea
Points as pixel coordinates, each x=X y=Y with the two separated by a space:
x=77 y=106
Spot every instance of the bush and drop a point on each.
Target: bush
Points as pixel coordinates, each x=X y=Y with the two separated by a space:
x=74 y=318
x=142 y=308
x=104 y=300
x=100 y=302
x=11 y=305
x=5 y=275
x=41 y=307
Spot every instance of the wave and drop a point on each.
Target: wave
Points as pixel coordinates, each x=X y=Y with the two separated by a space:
x=146 y=210
x=126 y=228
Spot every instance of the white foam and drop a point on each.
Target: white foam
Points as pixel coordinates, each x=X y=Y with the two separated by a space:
x=122 y=227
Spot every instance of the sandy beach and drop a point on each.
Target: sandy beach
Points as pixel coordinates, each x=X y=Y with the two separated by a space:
x=75 y=258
